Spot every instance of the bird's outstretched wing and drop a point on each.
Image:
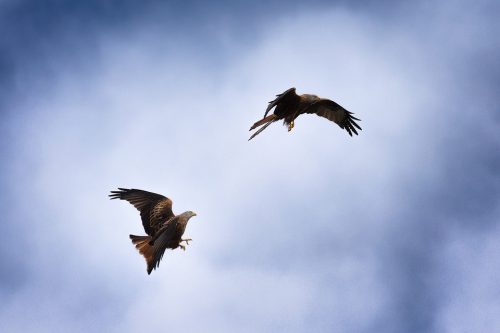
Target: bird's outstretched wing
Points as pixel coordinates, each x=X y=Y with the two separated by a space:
x=290 y=93
x=332 y=111
x=155 y=209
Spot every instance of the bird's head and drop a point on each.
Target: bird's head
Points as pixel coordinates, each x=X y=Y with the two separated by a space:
x=189 y=214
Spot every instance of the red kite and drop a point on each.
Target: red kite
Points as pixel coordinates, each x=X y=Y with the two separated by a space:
x=289 y=106
x=164 y=229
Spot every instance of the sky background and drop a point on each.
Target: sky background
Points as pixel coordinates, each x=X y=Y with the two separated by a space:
x=395 y=230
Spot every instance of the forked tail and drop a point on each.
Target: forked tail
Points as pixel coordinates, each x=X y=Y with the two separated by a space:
x=142 y=244
x=267 y=121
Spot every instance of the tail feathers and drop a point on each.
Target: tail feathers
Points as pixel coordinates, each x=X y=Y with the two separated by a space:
x=263 y=121
x=260 y=130
x=142 y=244
x=267 y=121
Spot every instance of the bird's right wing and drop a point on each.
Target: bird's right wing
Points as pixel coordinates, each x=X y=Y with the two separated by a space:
x=154 y=208
x=162 y=241
x=280 y=98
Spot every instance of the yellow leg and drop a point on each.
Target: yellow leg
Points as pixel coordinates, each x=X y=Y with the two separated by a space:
x=183 y=247
x=291 y=125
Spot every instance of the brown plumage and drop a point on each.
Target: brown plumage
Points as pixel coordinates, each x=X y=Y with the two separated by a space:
x=164 y=229
x=289 y=106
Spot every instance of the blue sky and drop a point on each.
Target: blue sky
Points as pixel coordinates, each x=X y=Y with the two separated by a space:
x=395 y=230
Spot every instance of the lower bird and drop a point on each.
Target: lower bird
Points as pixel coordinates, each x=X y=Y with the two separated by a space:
x=164 y=229
x=289 y=106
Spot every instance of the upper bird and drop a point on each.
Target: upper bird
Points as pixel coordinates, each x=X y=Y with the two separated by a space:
x=289 y=106
x=164 y=229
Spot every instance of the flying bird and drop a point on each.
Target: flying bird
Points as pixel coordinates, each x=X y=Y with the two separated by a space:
x=289 y=106
x=164 y=229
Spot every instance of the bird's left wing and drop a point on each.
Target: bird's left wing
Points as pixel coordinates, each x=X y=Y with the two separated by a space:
x=154 y=208
x=332 y=111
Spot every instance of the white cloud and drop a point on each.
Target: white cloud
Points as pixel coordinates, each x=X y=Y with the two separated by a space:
x=469 y=281
x=291 y=227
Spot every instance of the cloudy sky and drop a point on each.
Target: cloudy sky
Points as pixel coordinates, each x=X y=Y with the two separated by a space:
x=396 y=230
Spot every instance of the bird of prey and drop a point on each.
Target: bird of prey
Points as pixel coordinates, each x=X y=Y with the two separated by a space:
x=164 y=229
x=289 y=106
